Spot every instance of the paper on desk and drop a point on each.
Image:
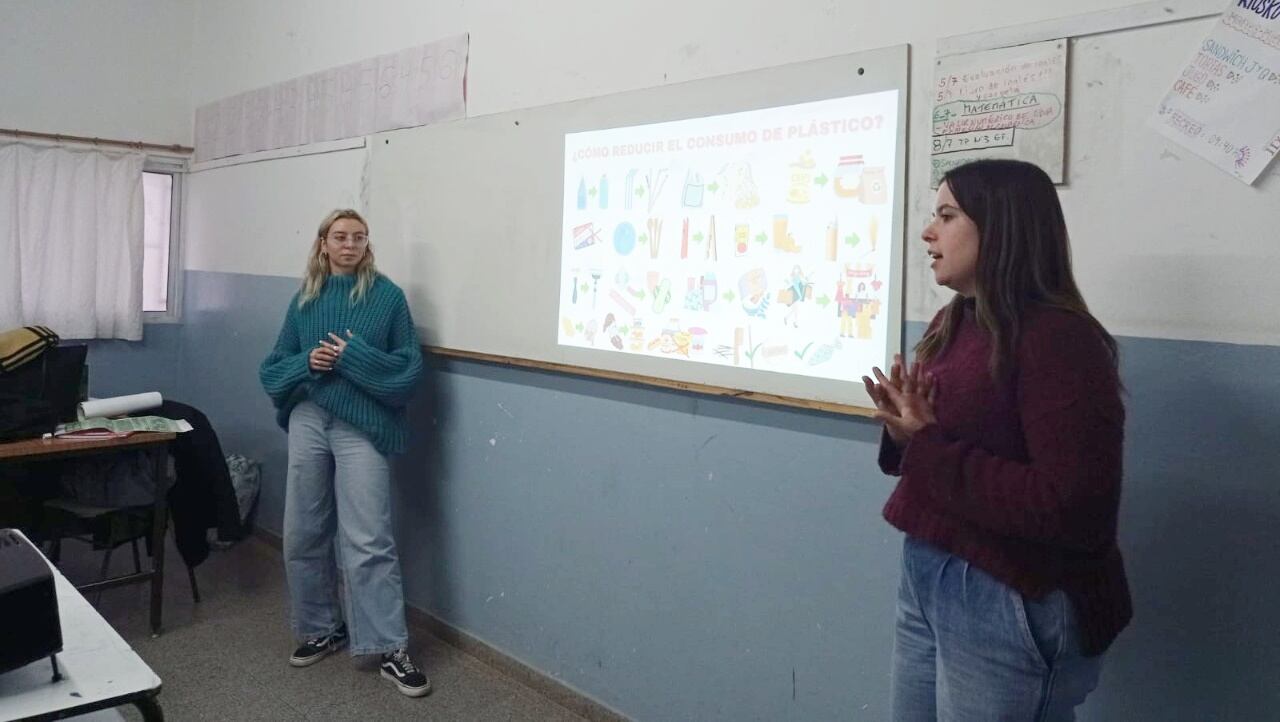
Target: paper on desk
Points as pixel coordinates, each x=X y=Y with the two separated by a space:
x=118 y=405
x=129 y=425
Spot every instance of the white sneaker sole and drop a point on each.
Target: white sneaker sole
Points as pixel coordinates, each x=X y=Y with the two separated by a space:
x=405 y=689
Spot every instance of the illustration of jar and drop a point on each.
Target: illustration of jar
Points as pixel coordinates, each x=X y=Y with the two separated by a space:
x=875 y=186
x=848 y=180
x=710 y=290
x=801 y=179
x=699 y=338
x=637 y=335
x=740 y=233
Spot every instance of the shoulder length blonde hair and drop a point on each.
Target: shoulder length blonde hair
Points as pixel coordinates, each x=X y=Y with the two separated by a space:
x=318 y=264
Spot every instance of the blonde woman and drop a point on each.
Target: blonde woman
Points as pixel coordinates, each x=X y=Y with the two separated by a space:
x=341 y=373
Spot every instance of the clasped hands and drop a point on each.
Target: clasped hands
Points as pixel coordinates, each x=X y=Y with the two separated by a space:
x=904 y=400
x=323 y=357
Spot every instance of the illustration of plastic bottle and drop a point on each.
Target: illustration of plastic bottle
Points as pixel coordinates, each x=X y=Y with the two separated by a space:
x=582 y=194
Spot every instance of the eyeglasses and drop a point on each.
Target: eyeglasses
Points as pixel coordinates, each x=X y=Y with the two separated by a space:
x=358 y=239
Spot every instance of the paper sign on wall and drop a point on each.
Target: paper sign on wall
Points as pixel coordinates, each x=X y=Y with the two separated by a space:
x=417 y=86
x=1004 y=103
x=1225 y=104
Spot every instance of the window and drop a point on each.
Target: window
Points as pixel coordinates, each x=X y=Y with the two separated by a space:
x=161 y=261
x=157 y=189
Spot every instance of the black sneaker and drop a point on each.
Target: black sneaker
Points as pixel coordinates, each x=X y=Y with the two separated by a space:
x=397 y=667
x=314 y=650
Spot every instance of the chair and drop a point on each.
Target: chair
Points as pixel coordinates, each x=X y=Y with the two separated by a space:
x=105 y=522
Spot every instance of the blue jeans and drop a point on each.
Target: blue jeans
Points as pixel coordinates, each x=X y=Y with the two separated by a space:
x=968 y=647
x=338 y=501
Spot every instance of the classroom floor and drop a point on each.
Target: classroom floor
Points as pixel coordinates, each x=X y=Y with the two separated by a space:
x=227 y=658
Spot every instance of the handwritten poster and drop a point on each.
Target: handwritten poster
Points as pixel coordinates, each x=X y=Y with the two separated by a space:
x=1004 y=103
x=416 y=86
x=1225 y=104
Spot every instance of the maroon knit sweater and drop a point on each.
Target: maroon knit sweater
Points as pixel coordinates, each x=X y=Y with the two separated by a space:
x=1022 y=479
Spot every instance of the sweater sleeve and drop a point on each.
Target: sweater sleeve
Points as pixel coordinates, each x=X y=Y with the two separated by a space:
x=388 y=376
x=286 y=366
x=1067 y=491
x=890 y=457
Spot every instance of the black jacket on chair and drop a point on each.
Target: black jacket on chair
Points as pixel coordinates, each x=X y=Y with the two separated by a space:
x=202 y=496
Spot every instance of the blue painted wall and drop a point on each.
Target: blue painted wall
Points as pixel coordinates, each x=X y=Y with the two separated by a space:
x=679 y=557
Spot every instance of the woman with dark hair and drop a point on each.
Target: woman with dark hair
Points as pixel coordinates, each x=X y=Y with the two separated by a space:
x=1007 y=432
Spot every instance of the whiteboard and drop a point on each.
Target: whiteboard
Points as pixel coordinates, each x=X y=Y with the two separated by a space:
x=478 y=207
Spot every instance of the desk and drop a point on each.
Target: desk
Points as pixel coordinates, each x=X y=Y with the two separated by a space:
x=35 y=450
x=99 y=669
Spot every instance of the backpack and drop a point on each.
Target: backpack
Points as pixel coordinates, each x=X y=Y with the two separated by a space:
x=37 y=396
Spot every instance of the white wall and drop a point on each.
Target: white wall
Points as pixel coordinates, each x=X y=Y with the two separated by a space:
x=529 y=54
x=261 y=218
x=118 y=69
x=135 y=69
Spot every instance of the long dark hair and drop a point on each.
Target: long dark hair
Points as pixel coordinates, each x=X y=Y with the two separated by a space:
x=1024 y=257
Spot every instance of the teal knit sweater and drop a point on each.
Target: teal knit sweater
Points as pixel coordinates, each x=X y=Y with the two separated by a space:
x=374 y=377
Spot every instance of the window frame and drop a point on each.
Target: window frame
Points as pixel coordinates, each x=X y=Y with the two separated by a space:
x=176 y=168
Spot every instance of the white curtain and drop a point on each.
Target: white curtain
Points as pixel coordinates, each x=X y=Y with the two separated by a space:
x=71 y=233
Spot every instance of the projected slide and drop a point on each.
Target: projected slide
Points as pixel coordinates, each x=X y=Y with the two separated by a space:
x=759 y=239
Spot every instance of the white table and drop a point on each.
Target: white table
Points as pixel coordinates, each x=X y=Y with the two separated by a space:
x=99 y=670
